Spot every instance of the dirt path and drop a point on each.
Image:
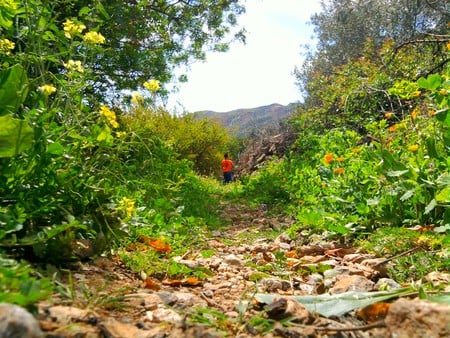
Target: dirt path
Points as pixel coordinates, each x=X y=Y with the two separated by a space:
x=252 y=255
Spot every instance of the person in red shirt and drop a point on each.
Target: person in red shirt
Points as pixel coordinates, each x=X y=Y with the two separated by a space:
x=227 y=167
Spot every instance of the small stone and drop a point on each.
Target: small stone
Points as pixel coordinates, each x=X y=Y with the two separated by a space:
x=418 y=318
x=384 y=284
x=274 y=285
x=233 y=260
x=351 y=283
x=164 y=315
x=16 y=322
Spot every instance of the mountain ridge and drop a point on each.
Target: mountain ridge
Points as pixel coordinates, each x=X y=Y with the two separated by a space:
x=243 y=121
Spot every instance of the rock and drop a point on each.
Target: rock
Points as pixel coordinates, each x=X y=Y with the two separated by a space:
x=384 y=284
x=351 y=283
x=286 y=307
x=65 y=315
x=418 y=318
x=16 y=322
x=164 y=315
x=115 y=329
x=274 y=285
x=233 y=260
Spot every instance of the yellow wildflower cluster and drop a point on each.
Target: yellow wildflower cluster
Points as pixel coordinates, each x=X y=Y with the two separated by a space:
x=47 y=89
x=94 y=38
x=6 y=46
x=152 y=85
x=127 y=206
x=74 y=66
x=109 y=115
x=413 y=147
x=137 y=98
x=71 y=28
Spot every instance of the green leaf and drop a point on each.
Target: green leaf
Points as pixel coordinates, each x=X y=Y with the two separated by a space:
x=407 y=195
x=55 y=148
x=397 y=173
x=443 y=196
x=432 y=82
x=13 y=89
x=430 y=206
x=339 y=304
x=15 y=136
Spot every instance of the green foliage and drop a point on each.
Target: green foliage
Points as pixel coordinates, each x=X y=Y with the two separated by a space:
x=20 y=286
x=432 y=252
x=200 y=141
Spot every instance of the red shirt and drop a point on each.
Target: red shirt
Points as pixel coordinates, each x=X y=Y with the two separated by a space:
x=227 y=165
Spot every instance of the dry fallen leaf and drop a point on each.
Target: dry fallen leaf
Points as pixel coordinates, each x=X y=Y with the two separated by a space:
x=172 y=282
x=374 y=312
x=151 y=284
x=191 y=281
x=158 y=245
x=339 y=252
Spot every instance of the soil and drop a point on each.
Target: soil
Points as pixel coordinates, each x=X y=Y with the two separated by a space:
x=104 y=298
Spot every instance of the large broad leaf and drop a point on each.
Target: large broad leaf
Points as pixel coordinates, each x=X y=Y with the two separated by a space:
x=15 y=136
x=13 y=89
x=340 y=304
x=432 y=82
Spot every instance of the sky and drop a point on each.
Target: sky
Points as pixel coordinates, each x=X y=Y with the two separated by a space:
x=258 y=73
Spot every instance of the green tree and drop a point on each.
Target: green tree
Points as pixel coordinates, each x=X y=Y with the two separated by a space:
x=344 y=27
x=150 y=38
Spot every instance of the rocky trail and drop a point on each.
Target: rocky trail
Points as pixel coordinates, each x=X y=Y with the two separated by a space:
x=250 y=259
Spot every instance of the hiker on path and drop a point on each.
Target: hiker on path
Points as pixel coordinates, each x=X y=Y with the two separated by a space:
x=227 y=166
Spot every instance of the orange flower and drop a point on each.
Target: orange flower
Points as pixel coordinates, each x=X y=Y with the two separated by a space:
x=432 y=112
x=340 y=159
x=355 y=150
x=414 y=114
x=392 y=128
x=324 y=184
x=388 y=115
x=338 y=171
x=328 y=158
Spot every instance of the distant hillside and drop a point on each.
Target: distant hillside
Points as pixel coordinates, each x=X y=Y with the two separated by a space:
x=242 y=122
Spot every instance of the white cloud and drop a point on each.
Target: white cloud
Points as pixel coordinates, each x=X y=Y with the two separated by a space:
x=260 y=72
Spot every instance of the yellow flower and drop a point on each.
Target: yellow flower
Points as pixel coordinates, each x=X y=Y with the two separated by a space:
x=136 y=98
x=413 y=147
x=6 y=46
x=328 y=158
x=443 y=92
x=72 y=66
x=448 y=45
x=388 y=115
x=94 y=38
x=127 y=206
x=119 y=134
x=47 y=89
x=71 y=28
x=152 y=85
x=109 y=115
x=417 y=93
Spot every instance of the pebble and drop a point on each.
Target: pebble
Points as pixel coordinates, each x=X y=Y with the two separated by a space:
x=16 y=322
